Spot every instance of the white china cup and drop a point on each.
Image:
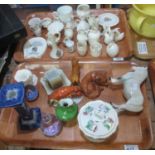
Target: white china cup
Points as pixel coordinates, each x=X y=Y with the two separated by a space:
x=65 y=13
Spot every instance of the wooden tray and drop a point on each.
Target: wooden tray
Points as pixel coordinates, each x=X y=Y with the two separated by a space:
x=143 y=47
x=151 y=67
x=133 y=128
x=125 y=45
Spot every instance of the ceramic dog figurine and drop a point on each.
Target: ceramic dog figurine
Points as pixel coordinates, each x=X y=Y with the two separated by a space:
x=131 y=82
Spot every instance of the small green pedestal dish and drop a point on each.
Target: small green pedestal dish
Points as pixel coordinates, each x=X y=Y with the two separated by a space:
x=66 y=110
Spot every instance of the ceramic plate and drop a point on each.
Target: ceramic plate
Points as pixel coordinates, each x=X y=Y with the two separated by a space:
x=35 y=47
x=108 y=19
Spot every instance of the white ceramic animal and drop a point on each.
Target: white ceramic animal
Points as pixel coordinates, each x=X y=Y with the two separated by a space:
x=132 y=92
x=118 y=35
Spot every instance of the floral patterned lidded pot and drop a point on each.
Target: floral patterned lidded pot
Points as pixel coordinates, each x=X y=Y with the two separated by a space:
x=98 y=120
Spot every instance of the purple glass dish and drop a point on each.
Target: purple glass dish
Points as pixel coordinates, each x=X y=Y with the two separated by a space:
x=50 y=125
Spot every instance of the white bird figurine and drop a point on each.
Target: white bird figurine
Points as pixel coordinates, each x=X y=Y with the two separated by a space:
x=117 y=34
x=132 y=92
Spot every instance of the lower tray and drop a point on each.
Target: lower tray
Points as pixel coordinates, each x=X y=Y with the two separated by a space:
x=133 y=129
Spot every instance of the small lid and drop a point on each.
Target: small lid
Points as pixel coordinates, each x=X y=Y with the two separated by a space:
x=98 y=119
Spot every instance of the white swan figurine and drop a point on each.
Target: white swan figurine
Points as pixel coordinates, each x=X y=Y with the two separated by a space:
x=132 y=92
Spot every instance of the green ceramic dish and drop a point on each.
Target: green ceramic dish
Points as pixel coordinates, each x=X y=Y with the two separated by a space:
x=66 y=111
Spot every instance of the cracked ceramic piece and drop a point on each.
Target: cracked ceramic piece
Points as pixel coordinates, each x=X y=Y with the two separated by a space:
x=34 y=48
x=112 y=49
x=108 y=19
x=53 y=74
x=46 y=22
x=83 y=11
x=131 y=89
x=65 y=13
x=26 y=76
x=98 y=120
x=55 y=27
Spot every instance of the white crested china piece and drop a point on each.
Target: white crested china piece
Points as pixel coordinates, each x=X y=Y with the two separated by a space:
x=98 y=120
x=56 y=53
x=26 y=76
x=65 y=13
x=82 y=37
x=55 y=27
x=33 y=22
x=44 y=79
x=46 y=22
x=93 y=35
x=112 y=49
x=131 y=82
x=68 y=32
x=69 y=44
x=34 y=48
x=83 y=11
x=82 y=48
x=108 y=19
x=95 y=49
x=82 y=26
x=118 y=35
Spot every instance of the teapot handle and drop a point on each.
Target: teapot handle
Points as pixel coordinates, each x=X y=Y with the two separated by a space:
x=140 y=22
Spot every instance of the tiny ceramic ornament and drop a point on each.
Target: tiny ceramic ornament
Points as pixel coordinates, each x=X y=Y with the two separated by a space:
x=118 y=36
x=65 y=13
x=35 y=48
x=46 y=22
x=26 y=76
x=112 y=49
x=98 y=120
x=95 y=49
x=55 y=27
x=93 y=22
x=83 y=26
x=35 y=26
x=53 y=79
x=131 y=83
x=83 y=11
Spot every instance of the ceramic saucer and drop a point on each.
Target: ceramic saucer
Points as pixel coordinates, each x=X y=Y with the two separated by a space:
x=35 y=48
x=108 y=19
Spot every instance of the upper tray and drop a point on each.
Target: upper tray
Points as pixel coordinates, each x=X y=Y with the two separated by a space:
x=125 y=45
x=133 y=128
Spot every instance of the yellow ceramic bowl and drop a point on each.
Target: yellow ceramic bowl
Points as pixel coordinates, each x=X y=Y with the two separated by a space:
x=142 y=19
